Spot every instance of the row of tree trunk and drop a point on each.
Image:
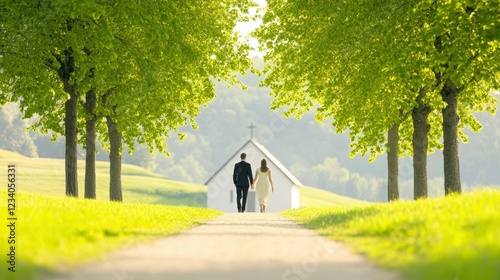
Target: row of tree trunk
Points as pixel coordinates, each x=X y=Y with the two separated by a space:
x=421 y=126
x=71 y=134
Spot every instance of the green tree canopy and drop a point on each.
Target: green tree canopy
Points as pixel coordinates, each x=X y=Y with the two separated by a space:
x=369 y=64
x=147 y=65
x=362 y=62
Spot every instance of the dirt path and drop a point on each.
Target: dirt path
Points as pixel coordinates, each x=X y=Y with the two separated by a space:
x=236 y=246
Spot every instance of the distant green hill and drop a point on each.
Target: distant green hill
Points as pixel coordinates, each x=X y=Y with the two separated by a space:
x=46 y=176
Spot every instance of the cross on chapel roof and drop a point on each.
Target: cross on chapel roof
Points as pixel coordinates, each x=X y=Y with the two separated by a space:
x=251 y=130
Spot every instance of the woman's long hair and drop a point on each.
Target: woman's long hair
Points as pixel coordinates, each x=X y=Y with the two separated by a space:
x=263 y=165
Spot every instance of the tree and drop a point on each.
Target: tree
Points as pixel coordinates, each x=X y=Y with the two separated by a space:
x=421 y=129
x=364 y=63
x=460 y=40
x=175 y=76
x=90 y=146
x=392 y=163
x=38 y=65
x=107 y=58
x=327 y=68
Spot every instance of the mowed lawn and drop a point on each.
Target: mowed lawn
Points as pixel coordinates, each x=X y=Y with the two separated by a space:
x=56 y=233
x=454 y=238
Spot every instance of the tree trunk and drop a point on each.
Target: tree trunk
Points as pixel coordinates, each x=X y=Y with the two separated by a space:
x=90 y=138
x=392 y=162
x=71 y=133
x=421 y=129
x=115 y=182
x=452 y=184
x=67 y=67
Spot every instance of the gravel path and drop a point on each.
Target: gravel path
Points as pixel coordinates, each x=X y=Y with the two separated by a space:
x=236 y=246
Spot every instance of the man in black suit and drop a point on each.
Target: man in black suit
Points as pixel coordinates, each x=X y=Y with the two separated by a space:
x=242 y=174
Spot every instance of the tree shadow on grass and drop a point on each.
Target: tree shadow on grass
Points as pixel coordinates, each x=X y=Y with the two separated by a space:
x=339 y=218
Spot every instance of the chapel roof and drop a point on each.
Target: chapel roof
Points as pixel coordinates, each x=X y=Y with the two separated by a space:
x=271 y=158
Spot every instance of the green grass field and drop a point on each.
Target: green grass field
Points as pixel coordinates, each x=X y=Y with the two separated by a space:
x=454 y=238
x=46 y=176
x=311 y=197
x=55 y=232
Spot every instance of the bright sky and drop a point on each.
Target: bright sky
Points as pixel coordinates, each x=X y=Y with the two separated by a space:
x=246 y=28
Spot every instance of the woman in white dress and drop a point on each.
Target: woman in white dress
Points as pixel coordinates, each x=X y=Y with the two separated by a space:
x=264 y=175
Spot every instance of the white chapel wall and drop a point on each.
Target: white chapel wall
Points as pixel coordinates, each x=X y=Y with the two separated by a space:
x=221 y=185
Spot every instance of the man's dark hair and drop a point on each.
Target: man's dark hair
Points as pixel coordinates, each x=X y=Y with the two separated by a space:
x=243 y=156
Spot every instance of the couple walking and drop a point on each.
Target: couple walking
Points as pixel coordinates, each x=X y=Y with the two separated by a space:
x=242 y=175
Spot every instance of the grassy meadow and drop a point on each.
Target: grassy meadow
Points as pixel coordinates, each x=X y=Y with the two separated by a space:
x=46 y=176
x=310 y=197
x=454 y=238
x=56 y=232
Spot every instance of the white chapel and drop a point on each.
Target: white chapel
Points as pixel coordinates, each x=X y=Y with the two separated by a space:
x=221 y=193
